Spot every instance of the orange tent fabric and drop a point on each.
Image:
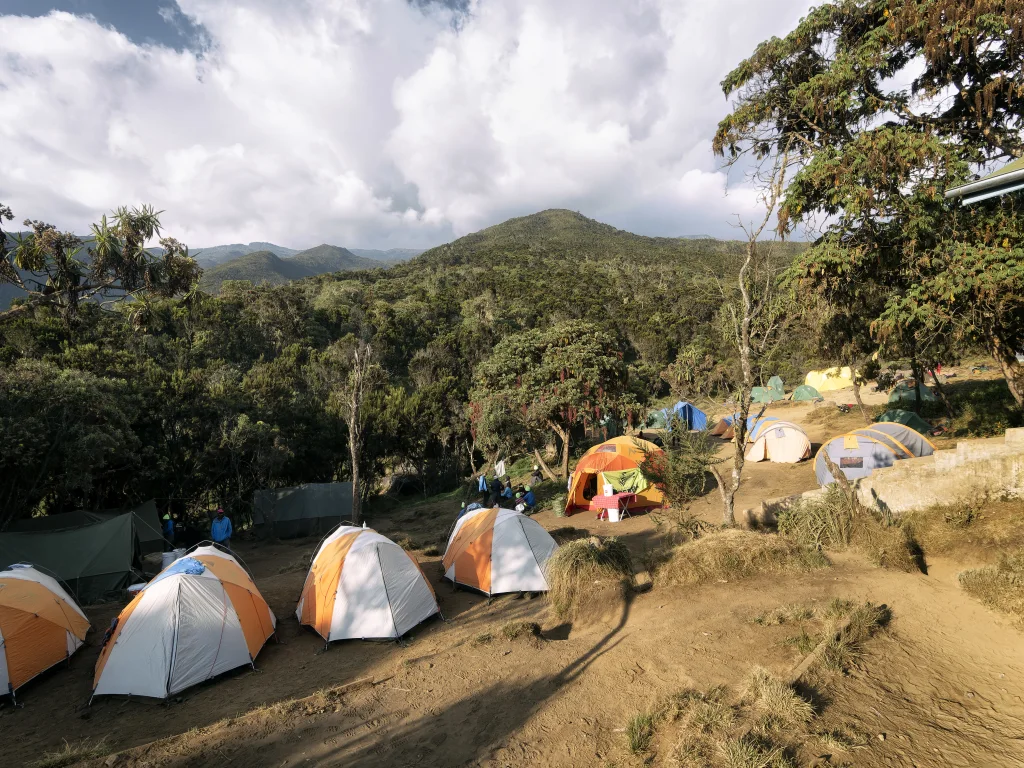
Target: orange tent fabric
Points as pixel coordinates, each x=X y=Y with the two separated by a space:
x=40 y=625
x=633 y=447
x=470 y=551
x=614 y=455
x=321 y=587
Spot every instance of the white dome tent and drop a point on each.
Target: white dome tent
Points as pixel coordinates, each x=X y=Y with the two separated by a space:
x=497 y=551
x=363 y=586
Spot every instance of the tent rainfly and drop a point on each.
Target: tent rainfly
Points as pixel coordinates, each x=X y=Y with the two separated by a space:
x=765 y=395
x=40 y=625
x=859 y=453
x=1009 y=178
x=724 y=427
x=497 y=551
x=805 y=393
x=775 y=382
x=903 y=394
x=313 y=509
x=199 y=617
x=362 y=585
x=690 y=415
x=830 y=379
x=906 y=418
x=780 y=442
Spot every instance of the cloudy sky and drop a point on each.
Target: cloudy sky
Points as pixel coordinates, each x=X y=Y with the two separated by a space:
x=373 y=123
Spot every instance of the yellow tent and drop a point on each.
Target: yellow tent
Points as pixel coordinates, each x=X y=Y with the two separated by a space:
x=830 y=379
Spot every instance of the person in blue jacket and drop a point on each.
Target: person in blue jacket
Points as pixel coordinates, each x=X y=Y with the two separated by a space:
x=529 y=499
x=220 y=529
x=168 y=530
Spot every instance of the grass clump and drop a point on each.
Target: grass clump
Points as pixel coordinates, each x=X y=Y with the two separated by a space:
x=776 y=703
x=752 y=752
x=431 y=551
x=588 y=575
x=514 y=630
x=844 y=646
x=731 y=555
x=787 y=614
x=483 y=638
x=828 y=523
x=70 y=754
x=640 y=732
x=999 y=586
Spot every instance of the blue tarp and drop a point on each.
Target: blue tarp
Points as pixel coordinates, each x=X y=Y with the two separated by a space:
x=694 y=417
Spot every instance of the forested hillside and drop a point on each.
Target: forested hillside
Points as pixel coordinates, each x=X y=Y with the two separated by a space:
x=203 y=399
x=265 y=266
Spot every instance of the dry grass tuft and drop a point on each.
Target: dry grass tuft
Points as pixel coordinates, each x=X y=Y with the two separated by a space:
x=787 y=614
x=752 y=752
x=731 y=555
x=431 y=551
x=483 y=638
x=844 y=648
x=828 y=523
x=778 y=705
x=640 y=732
x=971 y=531
x=70 y=754
x=568 y=533
x=514 y=630
x=587 y=577
x=999 y=586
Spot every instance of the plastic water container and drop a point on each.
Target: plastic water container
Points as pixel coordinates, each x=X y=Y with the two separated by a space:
x=608 y=490
x=613 y=515
x=166 y=558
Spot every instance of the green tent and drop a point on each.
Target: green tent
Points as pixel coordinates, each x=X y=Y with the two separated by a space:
x=902 y=394
x=907 y=419
x=306 y=510
x=776 y=383
x=94 y=558
x=765 y=395
x=806 y=392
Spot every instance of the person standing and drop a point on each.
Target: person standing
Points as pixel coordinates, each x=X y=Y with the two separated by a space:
x=496 y=489
x=168 y=525
x=220 y=529
x=482 y=488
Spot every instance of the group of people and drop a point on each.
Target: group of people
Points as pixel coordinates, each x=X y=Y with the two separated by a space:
x=175 y=531
x=499 y=492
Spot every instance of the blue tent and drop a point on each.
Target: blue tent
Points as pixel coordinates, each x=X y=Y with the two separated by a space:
x=689 y=414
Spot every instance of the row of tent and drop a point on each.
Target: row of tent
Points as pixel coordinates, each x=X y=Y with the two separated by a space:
x=203 y=614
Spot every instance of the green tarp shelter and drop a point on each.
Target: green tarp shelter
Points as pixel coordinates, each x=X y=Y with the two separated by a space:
x=775 y=382
x=907 y=419
x=902 y=394
x=806 y=392
x=306 y=510
x=94 y=558
x=145 y=517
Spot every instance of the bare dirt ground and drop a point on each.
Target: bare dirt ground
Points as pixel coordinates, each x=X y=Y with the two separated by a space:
x=943 y=686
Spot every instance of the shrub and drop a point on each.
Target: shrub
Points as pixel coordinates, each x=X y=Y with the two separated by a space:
x=588 y=575
x=514 y=630
x=640 y=732
x=682 y=470
x=731 y=555
x=70 y=754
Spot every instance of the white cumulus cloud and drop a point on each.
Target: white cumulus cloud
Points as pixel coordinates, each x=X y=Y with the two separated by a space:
x=380 y=123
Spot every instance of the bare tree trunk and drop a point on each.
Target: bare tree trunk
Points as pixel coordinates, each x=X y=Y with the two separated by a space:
x=362 y=357
x=915 y=366
x=355 y=453
x=472 y=458
x=1010 y=368
x=543 y=465
x=563 y=435
x=860 y=403
x=942 y=394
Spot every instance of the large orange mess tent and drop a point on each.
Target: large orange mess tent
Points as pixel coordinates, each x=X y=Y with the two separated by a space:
x=615 y=463
x=197 y=618
x=362 y=585
x=40 y=625
x=497 y=551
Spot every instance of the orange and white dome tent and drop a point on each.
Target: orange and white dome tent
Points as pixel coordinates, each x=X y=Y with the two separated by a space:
x=40 y=625
x=363 y=586
x=200 y=616
x=498 y=550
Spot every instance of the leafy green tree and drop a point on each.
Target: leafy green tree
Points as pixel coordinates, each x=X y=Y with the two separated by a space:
x=883 y=105
x=566 y=376
x=48 y=265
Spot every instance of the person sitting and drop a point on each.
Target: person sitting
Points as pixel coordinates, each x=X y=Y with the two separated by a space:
x=520 y=505
x=536 y=478
x=507 y=492
x=529 y=499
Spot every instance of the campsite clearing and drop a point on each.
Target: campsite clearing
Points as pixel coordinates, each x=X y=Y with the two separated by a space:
x=943 y=684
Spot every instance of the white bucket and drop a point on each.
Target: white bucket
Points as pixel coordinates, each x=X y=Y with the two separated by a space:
x=613 y=515
x=166 y=558
x=608 y=490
